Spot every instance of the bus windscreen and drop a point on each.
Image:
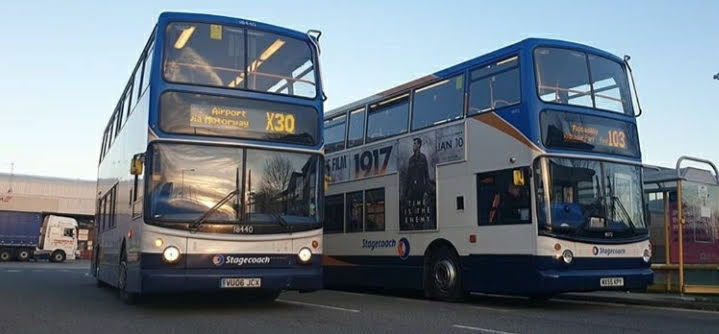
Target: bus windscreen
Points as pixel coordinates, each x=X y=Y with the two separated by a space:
x=238 y=58
x=219 y=116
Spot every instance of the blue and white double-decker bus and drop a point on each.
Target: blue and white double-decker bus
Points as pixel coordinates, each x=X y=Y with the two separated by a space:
x=210 y=172
x=517 y=172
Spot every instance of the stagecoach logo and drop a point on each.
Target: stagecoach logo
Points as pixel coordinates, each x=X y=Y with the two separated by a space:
x=401 y=245
x=608 y=251
x=403 y=248
x=218 y=260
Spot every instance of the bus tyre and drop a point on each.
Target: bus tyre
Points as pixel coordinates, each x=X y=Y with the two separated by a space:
x=443 y=277
x=5 y=255
x=57 y=256
x=127 y=297
x=23 y=255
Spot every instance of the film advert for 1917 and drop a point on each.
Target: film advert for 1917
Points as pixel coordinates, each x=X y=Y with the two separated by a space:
x=415 y=158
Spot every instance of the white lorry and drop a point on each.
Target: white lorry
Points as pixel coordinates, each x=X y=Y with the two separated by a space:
x=26 y=235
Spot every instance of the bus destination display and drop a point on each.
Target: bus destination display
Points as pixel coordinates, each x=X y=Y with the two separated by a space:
x=210 y=115
x=588 y=133
x=222 y=117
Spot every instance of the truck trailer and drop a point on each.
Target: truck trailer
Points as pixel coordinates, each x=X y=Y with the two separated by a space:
x=29 y=235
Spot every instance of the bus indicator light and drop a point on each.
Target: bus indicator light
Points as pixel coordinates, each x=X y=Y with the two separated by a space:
x=472 y=238
x=315 y=244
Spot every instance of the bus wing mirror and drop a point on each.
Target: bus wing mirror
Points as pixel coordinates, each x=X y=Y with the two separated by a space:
x=518 y=177
x=137 y=164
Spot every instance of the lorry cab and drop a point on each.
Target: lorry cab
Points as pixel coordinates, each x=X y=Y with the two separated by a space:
x=58 y=238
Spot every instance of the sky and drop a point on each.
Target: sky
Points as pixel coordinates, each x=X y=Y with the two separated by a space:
x=63 y=65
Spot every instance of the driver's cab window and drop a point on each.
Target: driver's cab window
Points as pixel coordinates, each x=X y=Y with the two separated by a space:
x=503 y=197
x=494 y=86
x=69 y=232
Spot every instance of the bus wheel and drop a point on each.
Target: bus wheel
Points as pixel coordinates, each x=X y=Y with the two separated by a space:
x=127 y=297
x=443 y=279
x=5 y=255
x=23 y=255
x=57 y=256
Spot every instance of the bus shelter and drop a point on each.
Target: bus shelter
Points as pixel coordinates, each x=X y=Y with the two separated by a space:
x=683 y=215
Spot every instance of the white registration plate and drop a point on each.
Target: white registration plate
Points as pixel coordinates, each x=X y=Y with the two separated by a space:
x=611 y=281
x=229 y=283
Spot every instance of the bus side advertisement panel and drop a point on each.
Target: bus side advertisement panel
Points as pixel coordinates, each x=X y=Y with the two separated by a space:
x=415 y=159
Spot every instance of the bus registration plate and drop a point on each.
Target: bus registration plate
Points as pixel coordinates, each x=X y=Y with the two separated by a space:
x=611 y=281
x=229 y=283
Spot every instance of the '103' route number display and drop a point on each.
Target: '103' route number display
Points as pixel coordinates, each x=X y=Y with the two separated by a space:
x=589 y=133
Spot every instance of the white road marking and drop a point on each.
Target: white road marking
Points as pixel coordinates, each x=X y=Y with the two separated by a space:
x=651 y=307
x=487 y=308
x=13 y=271
x=318 y=305
x=350 y=293
x=482 y=330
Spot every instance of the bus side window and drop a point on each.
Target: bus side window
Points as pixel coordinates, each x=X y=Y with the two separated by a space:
x=147 y=69
x=136 y=85
x=494 y=86
x=335 y=134
x=355 y=212
x=355 y=132
x=374 y=208
x=334 y=214
x=388 y=118
x=501 y=200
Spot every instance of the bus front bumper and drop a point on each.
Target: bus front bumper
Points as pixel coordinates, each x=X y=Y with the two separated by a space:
x=196 y=280
x=557 y=281
x=538 y=275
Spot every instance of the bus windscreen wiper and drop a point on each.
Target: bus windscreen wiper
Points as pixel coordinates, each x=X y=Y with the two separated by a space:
x=281 y=220
x=196 y=224
x=626 y=213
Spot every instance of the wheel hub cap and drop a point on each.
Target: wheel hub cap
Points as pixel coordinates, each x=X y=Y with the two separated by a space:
x=445 y=275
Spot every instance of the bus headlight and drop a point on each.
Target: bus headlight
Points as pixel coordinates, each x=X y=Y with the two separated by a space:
x=567 y=256
x=305 y=255
x=171 y=254
x=647 y=256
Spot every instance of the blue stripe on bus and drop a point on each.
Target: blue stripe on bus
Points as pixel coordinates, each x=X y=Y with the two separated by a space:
x=506 y=274
x=197 y=272
x=207 y=261
x=168 y=280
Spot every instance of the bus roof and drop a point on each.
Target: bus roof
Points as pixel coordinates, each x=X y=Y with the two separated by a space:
x=529 y=43
x=209 y=18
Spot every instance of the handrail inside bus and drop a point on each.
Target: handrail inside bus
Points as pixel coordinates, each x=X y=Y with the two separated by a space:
x=227 y=69
x=580 y=93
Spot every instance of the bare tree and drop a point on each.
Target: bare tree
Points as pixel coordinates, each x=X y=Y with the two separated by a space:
x=278 y=172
